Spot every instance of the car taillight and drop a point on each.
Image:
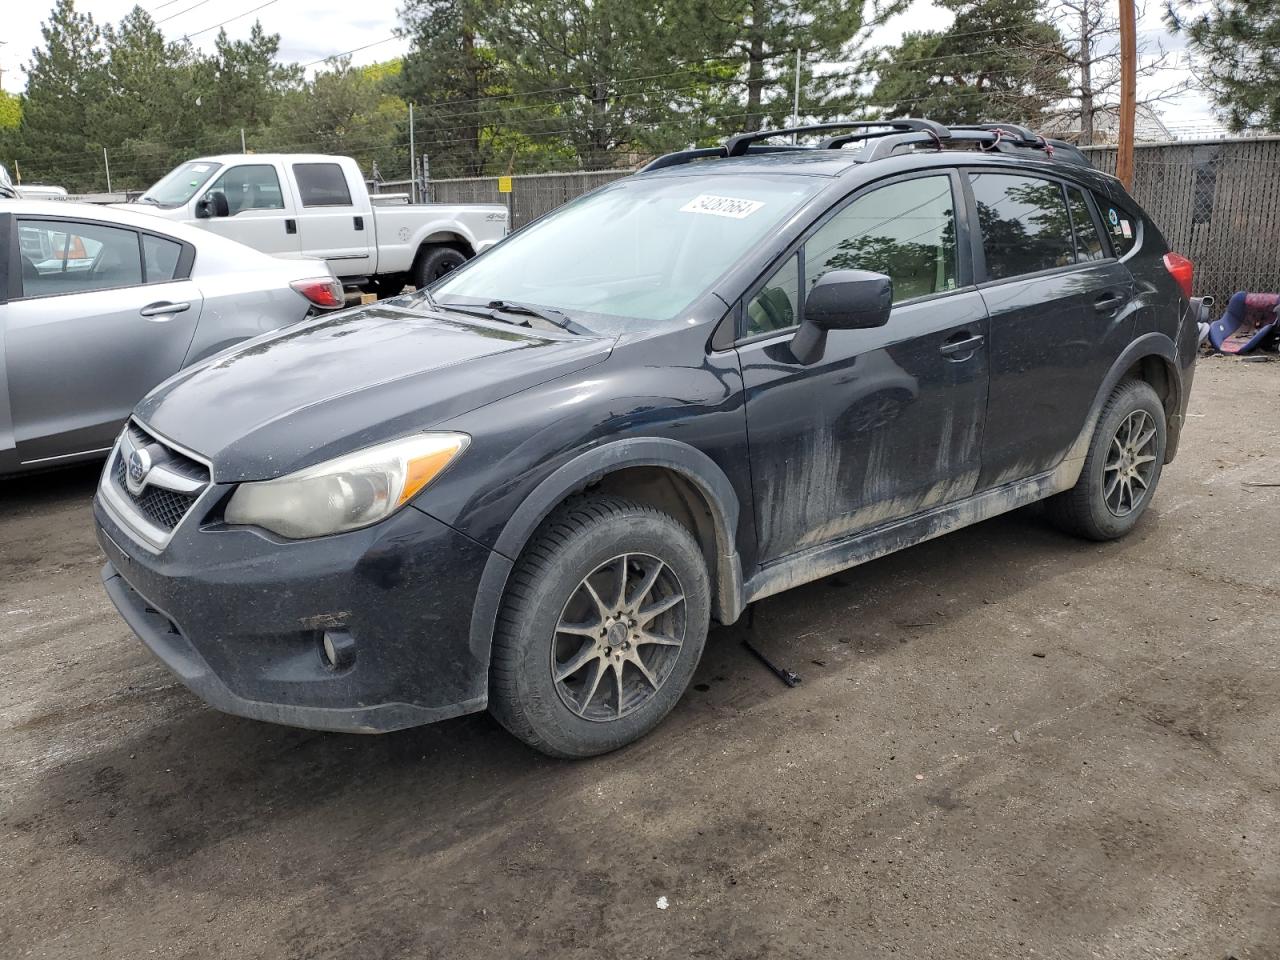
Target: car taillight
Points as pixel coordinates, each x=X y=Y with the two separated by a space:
x=323 y=292
x=1181 y=269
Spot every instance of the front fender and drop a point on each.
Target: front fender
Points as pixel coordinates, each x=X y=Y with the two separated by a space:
x=690 y=463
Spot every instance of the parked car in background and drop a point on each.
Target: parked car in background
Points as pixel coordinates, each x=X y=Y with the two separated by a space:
x=532 y=486
x=99 y=305
x=314 y=205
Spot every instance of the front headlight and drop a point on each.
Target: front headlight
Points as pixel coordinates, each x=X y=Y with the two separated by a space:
x=346 y=493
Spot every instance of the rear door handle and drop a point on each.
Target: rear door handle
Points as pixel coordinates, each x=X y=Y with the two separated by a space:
x=290 y=225
x=1108 y=302
x=359 y=223
x=163 y=309
x=963 y=348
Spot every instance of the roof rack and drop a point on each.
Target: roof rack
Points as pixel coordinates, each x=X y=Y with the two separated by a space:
x=737 y=146
x=889 y=136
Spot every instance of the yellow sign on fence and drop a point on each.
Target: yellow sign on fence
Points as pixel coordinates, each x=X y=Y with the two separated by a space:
x=504 y=184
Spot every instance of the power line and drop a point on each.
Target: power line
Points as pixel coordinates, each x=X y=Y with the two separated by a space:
x=188 y=36
x=173 y=16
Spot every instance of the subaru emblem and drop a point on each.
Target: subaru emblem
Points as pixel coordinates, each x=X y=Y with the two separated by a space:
x=138 y=466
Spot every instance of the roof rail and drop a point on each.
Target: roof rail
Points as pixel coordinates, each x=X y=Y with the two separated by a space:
x=737 y=146
x=889 y=135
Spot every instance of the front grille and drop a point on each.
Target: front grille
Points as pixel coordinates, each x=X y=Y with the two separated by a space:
x=161 y=506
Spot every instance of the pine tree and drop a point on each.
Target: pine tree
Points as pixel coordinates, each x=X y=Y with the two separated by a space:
x=1236 y=42
x=997 y=61
x=447 y=73
x=60 y=133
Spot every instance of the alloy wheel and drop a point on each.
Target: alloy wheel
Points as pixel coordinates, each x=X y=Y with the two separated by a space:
x=1131 y=462
x=618 y=638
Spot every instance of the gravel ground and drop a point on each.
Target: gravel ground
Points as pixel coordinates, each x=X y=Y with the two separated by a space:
x=1008 y=743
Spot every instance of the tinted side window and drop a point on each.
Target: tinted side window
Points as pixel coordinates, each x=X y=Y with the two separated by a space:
x=906 y=231
x=1024 y=223
x=1088 y=242
x=777 y=305
x=67 y=257
x=160 y=256
x=1123 y=227
x=322 y=185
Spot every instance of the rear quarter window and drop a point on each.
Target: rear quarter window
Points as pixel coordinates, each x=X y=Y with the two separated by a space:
x=1122 y=226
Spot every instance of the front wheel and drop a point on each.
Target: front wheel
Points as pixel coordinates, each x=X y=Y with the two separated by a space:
x=601 y=628
x=1121 y=470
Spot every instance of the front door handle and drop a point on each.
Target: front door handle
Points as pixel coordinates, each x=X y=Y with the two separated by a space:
x=1108 y=302
x=163 y=309
x=962 y=348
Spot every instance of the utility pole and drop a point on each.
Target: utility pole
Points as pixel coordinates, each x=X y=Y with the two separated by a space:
x=106 y=166
x=413 y=162
x=1128 y=93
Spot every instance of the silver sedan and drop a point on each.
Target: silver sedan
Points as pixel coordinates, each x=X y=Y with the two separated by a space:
x=98 y=305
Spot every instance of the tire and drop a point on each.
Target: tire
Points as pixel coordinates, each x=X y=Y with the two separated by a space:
x=534 y=691
x=1096 y=508
x=434 y=262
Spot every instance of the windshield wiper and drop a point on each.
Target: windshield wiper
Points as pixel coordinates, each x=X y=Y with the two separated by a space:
x=471 y=310
x=549 y=314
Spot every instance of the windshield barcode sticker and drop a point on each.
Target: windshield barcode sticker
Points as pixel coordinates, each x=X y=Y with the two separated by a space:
x=733 y=207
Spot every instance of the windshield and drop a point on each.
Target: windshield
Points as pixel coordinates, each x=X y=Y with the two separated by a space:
x=180 y=184
x=641 y=249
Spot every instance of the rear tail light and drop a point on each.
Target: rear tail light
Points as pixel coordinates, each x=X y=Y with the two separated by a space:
x=1181 y=269
x=324 y=292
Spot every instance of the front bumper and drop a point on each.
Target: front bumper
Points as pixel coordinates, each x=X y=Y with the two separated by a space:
x=239 y=617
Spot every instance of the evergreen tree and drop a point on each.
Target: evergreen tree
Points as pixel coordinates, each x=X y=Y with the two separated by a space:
x=1236 y=41
x=447 y=74
x=59 y=136
x=149 y=125
x=348 y=111
x=596 y=74
x=761 y=38
x=997 y=61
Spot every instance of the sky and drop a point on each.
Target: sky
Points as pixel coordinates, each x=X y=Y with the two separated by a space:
x=311 y=30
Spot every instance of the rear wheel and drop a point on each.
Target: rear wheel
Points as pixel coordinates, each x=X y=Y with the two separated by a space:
x=1121 y=470
x=602 y=626
x=436 y=262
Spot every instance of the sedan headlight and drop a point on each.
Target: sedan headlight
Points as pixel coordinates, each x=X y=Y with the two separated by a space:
x=346 y=493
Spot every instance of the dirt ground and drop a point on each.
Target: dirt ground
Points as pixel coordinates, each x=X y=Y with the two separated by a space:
x=1008 y=743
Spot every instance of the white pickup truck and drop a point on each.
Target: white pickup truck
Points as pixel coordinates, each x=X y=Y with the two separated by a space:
x=313 y=205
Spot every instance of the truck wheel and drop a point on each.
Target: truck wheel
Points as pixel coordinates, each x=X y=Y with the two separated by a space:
x=434 y=262
x=603 y=623
x=1121 y=470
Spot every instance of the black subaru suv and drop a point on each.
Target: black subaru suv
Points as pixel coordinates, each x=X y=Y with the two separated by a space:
x=532 y=486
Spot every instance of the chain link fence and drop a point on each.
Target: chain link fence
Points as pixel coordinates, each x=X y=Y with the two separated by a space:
x=1216 y=202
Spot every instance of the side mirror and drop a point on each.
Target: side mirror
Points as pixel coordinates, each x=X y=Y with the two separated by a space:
x=841 y=300
x=213 y=204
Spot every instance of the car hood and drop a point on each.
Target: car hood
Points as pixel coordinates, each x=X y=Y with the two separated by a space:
x=341 y=382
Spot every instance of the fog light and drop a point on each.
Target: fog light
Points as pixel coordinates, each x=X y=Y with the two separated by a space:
x=339 y=649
